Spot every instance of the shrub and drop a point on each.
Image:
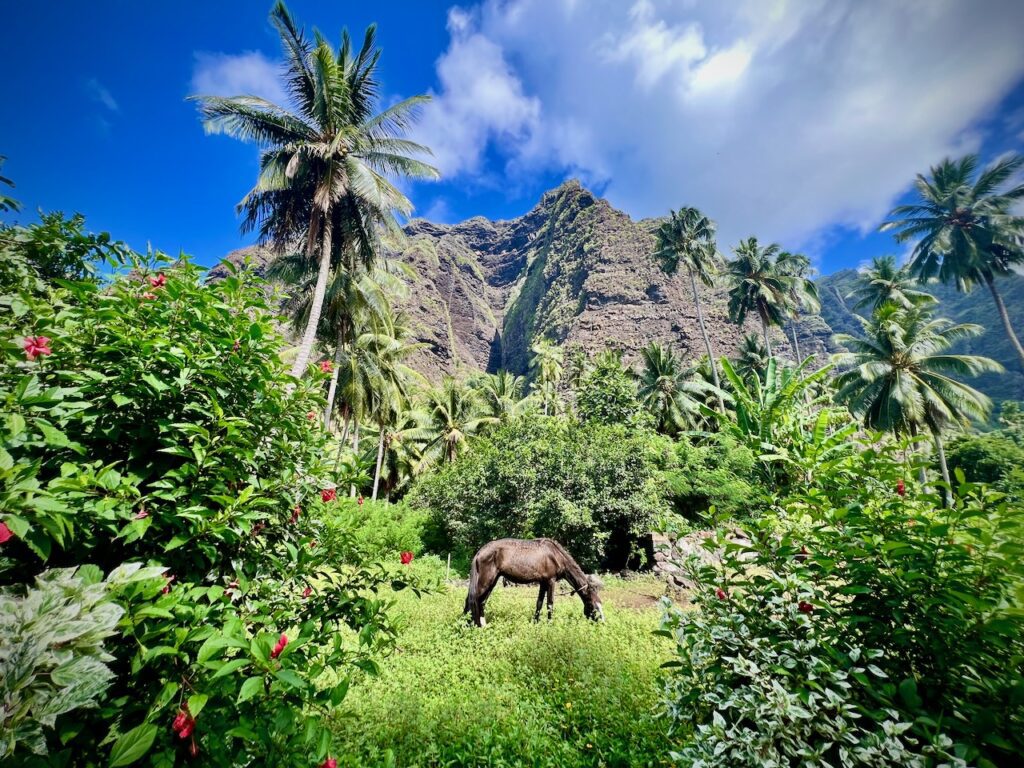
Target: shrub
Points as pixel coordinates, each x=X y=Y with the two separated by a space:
x=380 y=530
x=715 y=471
x=883 y=570
x=607 y=394
x=592 y=487
x=160 y=426
x=993 y=457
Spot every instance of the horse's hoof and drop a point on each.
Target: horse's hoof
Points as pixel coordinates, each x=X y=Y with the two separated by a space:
x=483 y=622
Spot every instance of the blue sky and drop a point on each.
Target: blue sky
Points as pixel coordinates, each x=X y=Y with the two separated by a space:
x=798 y=122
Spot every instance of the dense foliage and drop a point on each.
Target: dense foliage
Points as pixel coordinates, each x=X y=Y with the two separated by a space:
x=591 y=486
x=149 y=420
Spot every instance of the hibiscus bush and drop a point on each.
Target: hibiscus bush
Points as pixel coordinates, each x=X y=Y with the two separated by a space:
x=863 y=594
x=148 y=419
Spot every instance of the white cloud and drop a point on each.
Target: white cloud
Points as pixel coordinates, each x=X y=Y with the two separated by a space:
x=481 y=102
x=780 y=119
x=98 y=93
x=244 y=74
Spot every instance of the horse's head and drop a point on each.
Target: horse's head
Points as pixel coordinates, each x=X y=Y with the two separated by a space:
x=592 y=608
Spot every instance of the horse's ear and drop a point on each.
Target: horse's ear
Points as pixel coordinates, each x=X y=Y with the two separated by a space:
x=595 y=582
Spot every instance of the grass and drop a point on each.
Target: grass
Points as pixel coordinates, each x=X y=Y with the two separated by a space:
x=564 y=693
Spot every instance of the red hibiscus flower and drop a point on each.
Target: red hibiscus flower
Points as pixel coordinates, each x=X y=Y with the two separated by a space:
x=37 y=346
x=360 y=501
x=295 y=513
x=326 y=366
x=184 y=724
x=406 y=557
x=6 y=534
x=328 y=494
x=311 y=415
x=901 y=488
x=721 y=594
x=159 y=281
x=307 y=592
x=805 y=607
x=282 y=641
x=330 y=762
x=193 y=749
x=167 y=586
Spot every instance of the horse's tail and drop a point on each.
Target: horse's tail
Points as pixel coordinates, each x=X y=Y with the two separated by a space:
x=474 y=588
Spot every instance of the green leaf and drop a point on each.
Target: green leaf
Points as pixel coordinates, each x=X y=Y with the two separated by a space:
x=196 y=702
x=133 y=745
x=250 y=688
x=232 y=666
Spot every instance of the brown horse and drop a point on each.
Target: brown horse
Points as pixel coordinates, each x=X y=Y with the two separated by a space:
x=529 y=561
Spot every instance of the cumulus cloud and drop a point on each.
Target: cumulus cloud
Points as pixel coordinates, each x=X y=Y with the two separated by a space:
x=780 y=119
x=244 y=74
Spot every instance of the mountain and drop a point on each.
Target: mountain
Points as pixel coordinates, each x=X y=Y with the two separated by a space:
x=581 y=273
x=573 y=269
x=974 y=307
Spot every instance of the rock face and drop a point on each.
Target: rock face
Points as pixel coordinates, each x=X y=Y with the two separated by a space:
x=574 y=270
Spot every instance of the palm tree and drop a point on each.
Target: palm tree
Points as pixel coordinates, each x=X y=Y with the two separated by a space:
x=803 y=291
x=454 y=419
x=326 y=156
x=671 y=394
x=547 y=368
x=688 y=239
x=968 y=230
x=757 y=286
x=752 y=360
x=897 y=377
x=885 y=283
x=501 y=394
x=8 y=204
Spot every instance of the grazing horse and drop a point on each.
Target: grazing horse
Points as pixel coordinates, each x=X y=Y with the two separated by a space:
x=529 y=561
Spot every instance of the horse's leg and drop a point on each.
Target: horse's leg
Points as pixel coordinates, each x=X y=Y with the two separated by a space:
x=487 y=583
x=551 y=598
x=540 y=600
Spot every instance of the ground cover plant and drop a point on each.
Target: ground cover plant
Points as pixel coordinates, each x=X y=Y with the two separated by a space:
x=564 y=693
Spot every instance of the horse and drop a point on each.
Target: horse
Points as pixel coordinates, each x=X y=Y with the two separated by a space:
x=529 y=561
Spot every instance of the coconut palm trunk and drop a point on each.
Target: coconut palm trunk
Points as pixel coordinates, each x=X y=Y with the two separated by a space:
x=940 y=451
x=796 y=341
x=1005 y=317
x=332 y=390
x=319 y=292
x=707 y=340
x=380 y=461
x=355 y=450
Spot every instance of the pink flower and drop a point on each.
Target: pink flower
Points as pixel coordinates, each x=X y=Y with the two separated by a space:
x=901 y=488
x=307 y=592
x=328 y=494
x=326 y=366
x=6 y=534
x=805 y=607
x=149 y=295
x=282 y=641
x=193 y=749
x=311 y=415
x=167 y=586
x=36 y=346
x=186 y=730
x=721 y=594
x=180 y=720
x=295 y=513
x=406 y=557
x=360 y=501
x=330 y=762
x=141 y=514
x=159 y=281
x=237 y=345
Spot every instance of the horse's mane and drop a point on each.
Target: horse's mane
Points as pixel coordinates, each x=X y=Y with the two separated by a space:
x=573 y=567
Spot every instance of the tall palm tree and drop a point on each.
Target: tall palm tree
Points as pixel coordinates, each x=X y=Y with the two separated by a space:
x=687 y=239
x=326 y=156
x=968 y=230
x=803 y=291
x=455 y=417
x=897 y=377
x=546 y=365
x=670 y=393
x=8 y=204
x=886 y=283
x=501 y=394
x=757 y=286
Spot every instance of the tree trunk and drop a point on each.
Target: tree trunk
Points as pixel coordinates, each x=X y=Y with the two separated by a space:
x=940 y=449
x=380 y=459
x=319 y=291
x=707 y=341
x=341 y=443
x=922 y=475
x=1005 y=317
x=796 y=342
x=355 y=450
x=332 y=390
x=764 y=328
